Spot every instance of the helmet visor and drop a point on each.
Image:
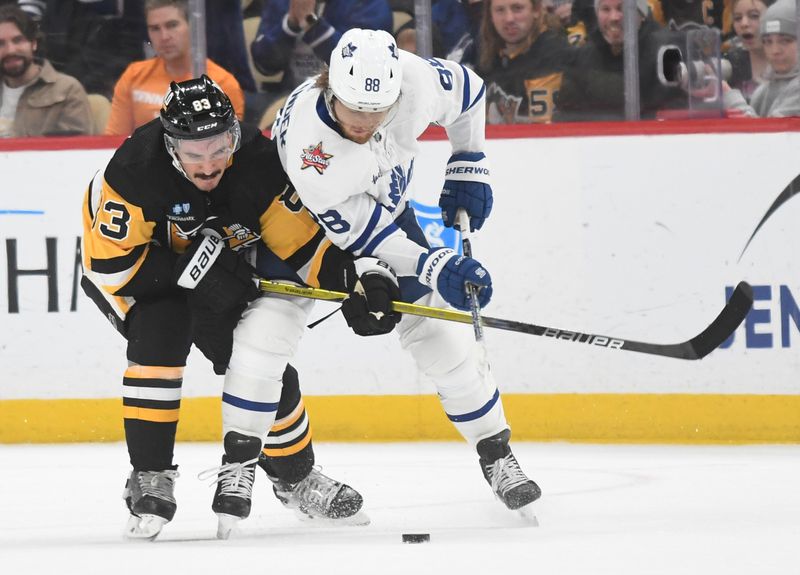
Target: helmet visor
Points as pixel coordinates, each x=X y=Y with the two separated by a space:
x=212 y=149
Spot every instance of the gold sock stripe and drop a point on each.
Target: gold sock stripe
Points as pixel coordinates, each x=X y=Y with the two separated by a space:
x=289 y=420
x=153 y=372
x=148 y=414
x=291 y=449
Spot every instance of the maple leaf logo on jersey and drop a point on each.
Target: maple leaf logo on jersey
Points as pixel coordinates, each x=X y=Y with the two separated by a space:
x=348 y=50
x=393 y=51
x=314 y=157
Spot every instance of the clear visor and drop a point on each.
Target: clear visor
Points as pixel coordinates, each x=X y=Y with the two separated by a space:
x=219 y=147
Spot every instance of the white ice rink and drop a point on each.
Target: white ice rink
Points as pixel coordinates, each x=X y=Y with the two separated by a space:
x=618 y=510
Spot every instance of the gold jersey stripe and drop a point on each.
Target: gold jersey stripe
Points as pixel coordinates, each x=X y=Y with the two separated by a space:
x=312 y=278
x=284 y=231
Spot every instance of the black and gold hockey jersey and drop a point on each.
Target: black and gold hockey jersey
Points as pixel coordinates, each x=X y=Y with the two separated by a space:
x=140 y=213
x=522 y=89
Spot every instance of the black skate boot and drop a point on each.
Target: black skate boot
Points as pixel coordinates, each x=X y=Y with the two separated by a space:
x=150 y=496
x=234 y=479
x=322 y=499
x=502 y=472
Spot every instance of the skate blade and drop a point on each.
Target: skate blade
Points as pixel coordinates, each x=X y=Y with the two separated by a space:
x=360 y=519
x=225 y=525
x=144 y=528
x=528 y=515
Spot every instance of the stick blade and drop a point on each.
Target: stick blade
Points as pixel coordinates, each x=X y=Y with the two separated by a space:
x=730 y=318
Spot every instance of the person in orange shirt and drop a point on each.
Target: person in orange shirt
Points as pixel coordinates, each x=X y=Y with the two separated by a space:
x=139 y=92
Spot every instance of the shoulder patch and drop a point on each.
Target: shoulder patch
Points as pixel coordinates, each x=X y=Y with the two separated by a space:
x=314 y=157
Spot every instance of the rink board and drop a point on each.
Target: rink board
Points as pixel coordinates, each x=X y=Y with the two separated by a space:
x=629 y=235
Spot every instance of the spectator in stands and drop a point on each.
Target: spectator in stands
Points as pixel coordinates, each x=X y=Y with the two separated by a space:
x=92 y=40
x=521 y=62
x=297 y=36
x=35 y=100
x=593 y=84
x=140 y=90
x=746 y=52
x=779 y=94
x=225 y=42
x=450 y=19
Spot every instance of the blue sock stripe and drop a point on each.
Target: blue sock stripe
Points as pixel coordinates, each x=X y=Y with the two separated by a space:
x=473 y=415
x=247 y=404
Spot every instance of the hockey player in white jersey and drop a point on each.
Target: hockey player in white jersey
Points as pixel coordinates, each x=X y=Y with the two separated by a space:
x=348 y=139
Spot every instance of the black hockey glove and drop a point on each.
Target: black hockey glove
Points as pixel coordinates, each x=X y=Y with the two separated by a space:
x=219 y=278
x=368 y=307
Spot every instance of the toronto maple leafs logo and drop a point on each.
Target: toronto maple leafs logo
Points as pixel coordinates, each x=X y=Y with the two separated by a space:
x=314 y=157
x=347 y=51
x=393 y=51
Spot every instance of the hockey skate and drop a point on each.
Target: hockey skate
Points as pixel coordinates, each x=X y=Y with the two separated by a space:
x=150 y=496
x=234 y=479
x=507 y=480
x=320 y=499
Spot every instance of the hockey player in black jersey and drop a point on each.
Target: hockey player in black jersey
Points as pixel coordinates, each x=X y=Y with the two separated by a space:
x=170 y=226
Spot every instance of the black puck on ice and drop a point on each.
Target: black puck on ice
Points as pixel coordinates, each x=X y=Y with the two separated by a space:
x=416 y=537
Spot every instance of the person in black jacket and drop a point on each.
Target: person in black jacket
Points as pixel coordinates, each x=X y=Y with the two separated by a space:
x=521 y=62
x=593 y=87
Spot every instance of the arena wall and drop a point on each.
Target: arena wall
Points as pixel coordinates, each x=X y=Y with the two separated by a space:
x=640 y=233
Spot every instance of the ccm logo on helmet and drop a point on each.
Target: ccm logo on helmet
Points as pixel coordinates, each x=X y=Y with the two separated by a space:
x=207 y=126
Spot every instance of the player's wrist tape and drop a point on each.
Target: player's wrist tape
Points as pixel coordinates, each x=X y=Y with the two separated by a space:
x=431 y=265
x=204 y=257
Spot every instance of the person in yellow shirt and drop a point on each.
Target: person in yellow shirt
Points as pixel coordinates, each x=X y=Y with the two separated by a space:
x=139 y=92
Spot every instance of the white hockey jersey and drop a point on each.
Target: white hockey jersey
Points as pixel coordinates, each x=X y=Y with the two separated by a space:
x=356 y=190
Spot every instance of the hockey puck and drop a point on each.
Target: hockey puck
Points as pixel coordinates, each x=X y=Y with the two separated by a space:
x=416 y=537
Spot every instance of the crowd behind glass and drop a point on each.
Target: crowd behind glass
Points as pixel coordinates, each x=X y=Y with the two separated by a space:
x=73 y=67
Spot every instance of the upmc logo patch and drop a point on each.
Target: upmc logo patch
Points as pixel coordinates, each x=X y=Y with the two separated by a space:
x=314 y=157
x=429 y=219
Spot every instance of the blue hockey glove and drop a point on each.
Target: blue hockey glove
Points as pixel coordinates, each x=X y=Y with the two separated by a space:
x=466 y=185
x=448 y=273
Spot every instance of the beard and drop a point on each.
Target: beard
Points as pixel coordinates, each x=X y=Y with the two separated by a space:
x=17 y=69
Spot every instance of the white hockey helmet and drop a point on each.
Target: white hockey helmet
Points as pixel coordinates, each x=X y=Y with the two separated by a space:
x=365 y=72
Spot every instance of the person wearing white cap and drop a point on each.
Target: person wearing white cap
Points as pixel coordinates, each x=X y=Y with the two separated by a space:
x=779 y=95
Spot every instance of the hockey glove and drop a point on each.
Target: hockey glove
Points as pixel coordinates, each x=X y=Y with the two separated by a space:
x=466 y=185
x=368 y=307
x=448 y=273
x=236 y=236
x=218 y=277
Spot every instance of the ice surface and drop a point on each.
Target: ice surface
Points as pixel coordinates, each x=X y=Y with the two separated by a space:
x=605 y=510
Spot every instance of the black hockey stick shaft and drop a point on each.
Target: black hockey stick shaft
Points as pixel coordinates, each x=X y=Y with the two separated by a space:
x=466 y=246
x=731 y=316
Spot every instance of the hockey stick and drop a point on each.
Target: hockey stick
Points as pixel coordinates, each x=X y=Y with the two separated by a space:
x=698 y=347
x=474 y=304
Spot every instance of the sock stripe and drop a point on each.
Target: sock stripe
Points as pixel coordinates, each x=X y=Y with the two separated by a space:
x=473 y=415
